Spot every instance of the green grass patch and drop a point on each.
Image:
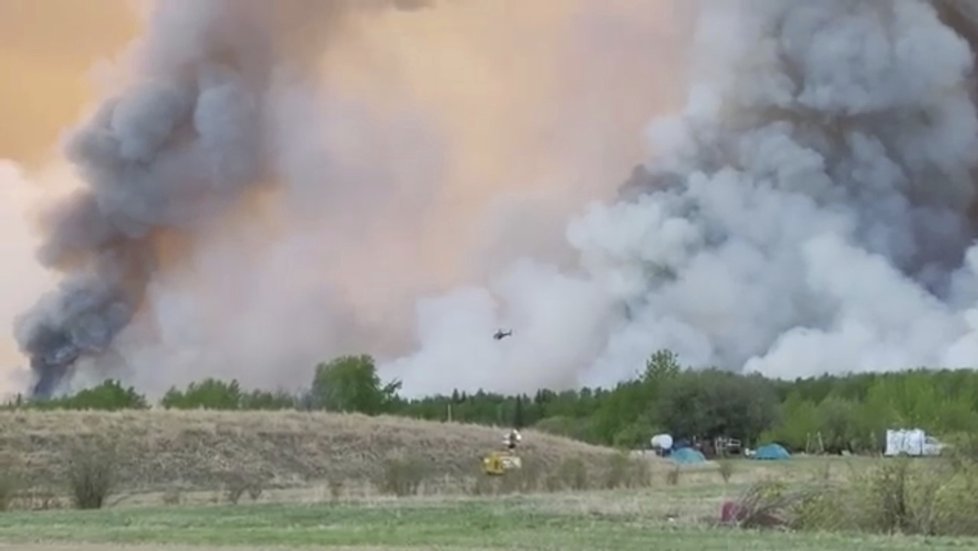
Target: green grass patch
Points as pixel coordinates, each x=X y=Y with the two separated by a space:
x=515 y=522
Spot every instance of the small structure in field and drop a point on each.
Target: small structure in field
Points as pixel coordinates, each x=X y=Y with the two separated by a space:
x=912 y=442
x=772 y=452
x=687 y=456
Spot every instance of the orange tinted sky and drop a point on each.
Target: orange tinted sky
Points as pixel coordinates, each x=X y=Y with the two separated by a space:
x=47 y=51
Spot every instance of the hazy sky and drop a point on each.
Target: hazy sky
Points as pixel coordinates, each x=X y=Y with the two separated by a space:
x=49 y=55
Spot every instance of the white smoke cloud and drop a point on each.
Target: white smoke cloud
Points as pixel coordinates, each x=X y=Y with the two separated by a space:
x=807 y=212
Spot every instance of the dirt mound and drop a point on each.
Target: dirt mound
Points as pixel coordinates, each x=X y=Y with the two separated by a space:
x=199 y=450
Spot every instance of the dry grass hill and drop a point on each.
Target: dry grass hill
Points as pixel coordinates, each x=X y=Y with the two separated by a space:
x=156 y=451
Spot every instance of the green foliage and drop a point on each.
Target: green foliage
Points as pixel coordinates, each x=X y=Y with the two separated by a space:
x=849 y=412
x=661 y=366
x=625 y=471
x=90 y=473
x=212 y=393
x=207 y=394
x=518 y=421
x=351 y=384
x=108 y=396
x=265 y=400
x=711 y=403
x=932 y=498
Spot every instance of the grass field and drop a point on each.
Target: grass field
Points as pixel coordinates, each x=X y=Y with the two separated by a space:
x=170 y=495
x=596 y=520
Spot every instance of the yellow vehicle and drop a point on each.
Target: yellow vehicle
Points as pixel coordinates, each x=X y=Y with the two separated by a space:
x=497 y=463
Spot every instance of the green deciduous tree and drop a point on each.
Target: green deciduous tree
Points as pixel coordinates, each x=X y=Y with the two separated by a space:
x=351 y=384
x=710 y=403
x=109 y=396
x=207 y=394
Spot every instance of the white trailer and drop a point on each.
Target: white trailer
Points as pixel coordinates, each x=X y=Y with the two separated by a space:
x=912 y=442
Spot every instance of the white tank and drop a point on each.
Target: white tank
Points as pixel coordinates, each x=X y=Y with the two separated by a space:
x=662 y=441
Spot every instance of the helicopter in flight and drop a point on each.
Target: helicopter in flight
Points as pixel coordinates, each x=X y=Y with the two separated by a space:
x=500 y=334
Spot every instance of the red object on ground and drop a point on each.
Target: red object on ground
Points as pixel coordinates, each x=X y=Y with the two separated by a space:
x=730 y=512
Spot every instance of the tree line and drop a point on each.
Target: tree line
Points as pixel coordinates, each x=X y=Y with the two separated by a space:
x=826 y=413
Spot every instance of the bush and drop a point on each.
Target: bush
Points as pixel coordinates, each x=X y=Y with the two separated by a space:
x=11 y=481
x=335 y=489
x=625 y=471
x=925 y=497
x=9 y=486
x=769 y=504
x=402 y=476
x=484 y=485
x=236 y=484
x=573 y=473
x=207 y=394
x=172 y=496
x=90 y=474
x=525 y=479
x=672 y=476
x=726 y=469
x=617 y=473
x=108 y=396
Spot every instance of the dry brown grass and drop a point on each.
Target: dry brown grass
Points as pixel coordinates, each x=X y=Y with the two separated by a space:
x=196 y=450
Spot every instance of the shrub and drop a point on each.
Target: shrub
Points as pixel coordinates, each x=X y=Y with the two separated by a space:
x=552 y=482
x=90 y=474
x=236 y=484
x=926 y=497
x=207 y=394
x=525 y=479
x=335 y=489
x=672 y=476
x=172 y=496
x=770 y=503
x=484 y=485
x=108 y=396
x=573 y=473
x=618 y=466
x=626 y=471
x=9 y=486
x=11 y=481
x=40 y=499
x=402 y=476
x=726 y=469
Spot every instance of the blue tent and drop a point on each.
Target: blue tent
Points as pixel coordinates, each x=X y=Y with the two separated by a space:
x=772 y=451
x=686 y=456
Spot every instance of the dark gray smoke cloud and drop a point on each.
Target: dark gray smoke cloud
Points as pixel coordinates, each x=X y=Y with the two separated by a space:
x=170 y=154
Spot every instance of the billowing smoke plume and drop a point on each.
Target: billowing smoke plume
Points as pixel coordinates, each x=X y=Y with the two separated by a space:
x=168 y=157
x=278 y=184
x=811 y=209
